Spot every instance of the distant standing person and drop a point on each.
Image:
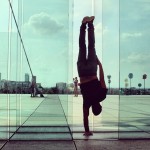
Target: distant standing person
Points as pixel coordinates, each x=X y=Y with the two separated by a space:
x=75 y=80
x=32 y=90
x=33 y=86
x=87 y=70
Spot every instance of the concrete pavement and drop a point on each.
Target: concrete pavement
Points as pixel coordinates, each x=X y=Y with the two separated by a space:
x=46 y=127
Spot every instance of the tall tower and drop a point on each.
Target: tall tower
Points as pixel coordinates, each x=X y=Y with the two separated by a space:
x=0 y=77
x=26 y=77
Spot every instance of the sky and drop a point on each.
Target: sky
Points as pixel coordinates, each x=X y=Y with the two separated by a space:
x=50 y=31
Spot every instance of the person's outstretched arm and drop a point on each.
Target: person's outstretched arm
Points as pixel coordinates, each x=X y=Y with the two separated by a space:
x=101 y=74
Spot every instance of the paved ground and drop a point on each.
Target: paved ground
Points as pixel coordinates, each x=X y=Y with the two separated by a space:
x=79 y=145
x=56 y=123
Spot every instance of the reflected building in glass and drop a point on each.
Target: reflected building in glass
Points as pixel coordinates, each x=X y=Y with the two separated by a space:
x=27 y=77
x=39 y=42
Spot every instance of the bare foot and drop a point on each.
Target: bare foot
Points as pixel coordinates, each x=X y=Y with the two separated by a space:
x=85 y=19
x=88 y=19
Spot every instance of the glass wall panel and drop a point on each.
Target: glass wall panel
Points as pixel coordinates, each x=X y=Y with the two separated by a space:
x=134 y=69
x=69 y=107
x=107 y=39
x=107 y=48
x=8 y=69
x=34 y=48
x=43 y=59
x=4 y=46
x=80 y=10
x=17 y=9
x=39 y=43
x=11 y=78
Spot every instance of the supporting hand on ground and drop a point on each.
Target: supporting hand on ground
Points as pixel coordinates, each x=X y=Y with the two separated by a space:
x=88 y=133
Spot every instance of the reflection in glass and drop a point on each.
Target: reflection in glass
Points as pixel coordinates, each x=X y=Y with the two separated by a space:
x=4 y=101
x=134 y=63
x=106 y=14
x=37 y=40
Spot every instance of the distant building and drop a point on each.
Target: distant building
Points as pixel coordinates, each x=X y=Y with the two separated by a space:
x=61 y=87
x=7 y=86
x=2 y=84
x=70 y=88
x=26 y=77
x=14 y=86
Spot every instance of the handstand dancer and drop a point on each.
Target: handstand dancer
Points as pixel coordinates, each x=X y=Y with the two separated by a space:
x=87 y=70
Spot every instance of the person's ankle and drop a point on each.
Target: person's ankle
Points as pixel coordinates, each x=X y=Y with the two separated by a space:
x=90 y=25
x=83 y=25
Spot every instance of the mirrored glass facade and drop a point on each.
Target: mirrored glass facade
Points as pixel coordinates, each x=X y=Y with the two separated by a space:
x=35 y=50
x=134 y=69
x=38 y=61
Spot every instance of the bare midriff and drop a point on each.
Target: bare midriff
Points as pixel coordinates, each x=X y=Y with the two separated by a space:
x=87 y=79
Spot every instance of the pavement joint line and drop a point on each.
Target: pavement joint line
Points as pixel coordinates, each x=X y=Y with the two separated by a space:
x=23 y=123
x=40 y=105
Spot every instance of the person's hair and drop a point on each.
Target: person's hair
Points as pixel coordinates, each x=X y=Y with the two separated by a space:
x=96 y=109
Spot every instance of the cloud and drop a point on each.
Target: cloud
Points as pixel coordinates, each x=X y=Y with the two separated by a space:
x=131 y=35
x=138 y=58
x=130 y=11
x=43 y=24
x=99 y=28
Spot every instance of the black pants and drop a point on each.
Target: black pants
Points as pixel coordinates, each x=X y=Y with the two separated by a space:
x=87 y=66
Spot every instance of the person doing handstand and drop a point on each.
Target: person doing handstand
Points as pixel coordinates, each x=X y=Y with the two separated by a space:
x=87 y=71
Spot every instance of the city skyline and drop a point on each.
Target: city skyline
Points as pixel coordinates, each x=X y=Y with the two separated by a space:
x=127 y=82
x=26 y=77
